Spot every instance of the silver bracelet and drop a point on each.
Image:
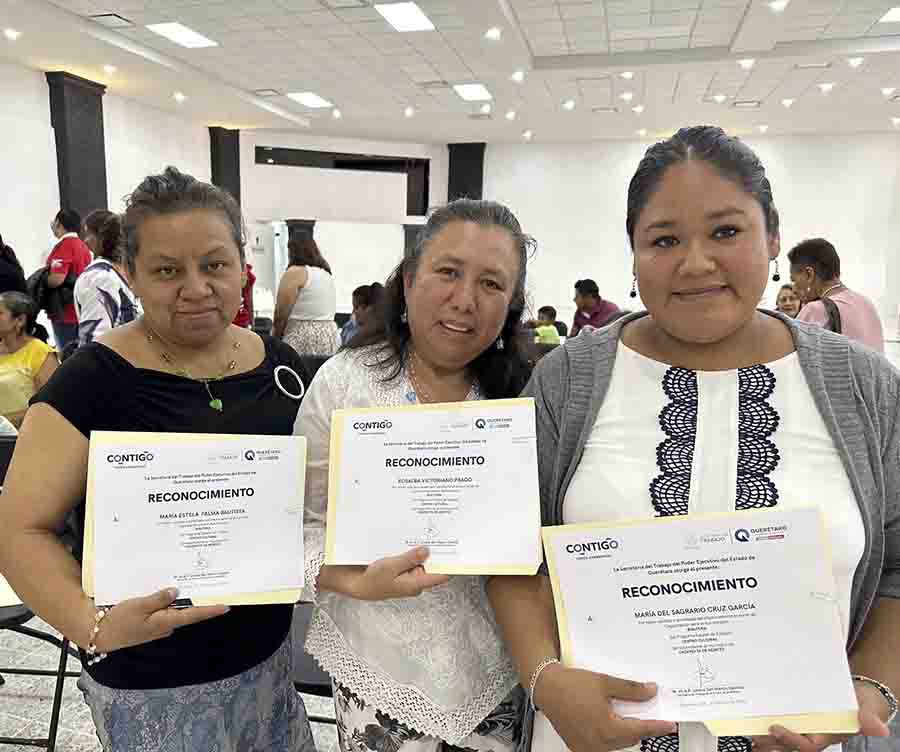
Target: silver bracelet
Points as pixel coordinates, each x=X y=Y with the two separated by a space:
x=535 y=675
x=885 y=693
x=92 y=654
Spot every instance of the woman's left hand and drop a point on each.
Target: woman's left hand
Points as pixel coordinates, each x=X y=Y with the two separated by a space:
x=873 y=708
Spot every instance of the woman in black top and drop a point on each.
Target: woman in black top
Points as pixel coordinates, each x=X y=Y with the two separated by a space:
x=12 y=277
x=178 y=680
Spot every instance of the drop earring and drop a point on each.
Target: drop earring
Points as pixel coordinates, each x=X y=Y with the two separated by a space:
x=633 y=293
x=499 y=344
x=776 y=277
x=404 y=317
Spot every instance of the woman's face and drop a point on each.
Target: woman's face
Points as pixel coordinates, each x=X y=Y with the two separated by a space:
x=459 y=298
x=788 y=302
x=90 y=240
x=701 y=254
x=188 y=275
x=10 y=324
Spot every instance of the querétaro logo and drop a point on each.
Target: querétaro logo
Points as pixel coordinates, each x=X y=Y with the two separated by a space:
x=480 y=423
x=371 y=426
x=742 y=535
x=129 y=459
x=249 y=455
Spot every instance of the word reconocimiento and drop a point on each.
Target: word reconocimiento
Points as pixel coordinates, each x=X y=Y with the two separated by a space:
x=433 y=461
x=204 y=495
x=696 y=586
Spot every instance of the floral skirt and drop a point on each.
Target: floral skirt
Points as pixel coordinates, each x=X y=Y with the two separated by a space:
x=362 y=727
x=251 y=712
x=312 y=337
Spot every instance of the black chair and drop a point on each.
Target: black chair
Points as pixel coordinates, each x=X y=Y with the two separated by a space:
x=308 y=677
x=262 y=325
x=561 y=328
x=341 y=318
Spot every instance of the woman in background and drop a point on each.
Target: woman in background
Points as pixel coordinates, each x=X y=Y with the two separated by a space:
x=307 y=300
x=788 y=302
x=103 y=297
x=27 y=361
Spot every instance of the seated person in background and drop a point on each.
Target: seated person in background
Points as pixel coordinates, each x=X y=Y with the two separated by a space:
x=828 y=302
x=545 y=330
x=360 y=302
x=592 y=309
x=788 y=302
x=27 y=361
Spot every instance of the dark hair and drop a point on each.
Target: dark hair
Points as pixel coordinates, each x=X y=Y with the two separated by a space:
x=107 y=227
x=728 y=154
x=20 y=304
x=169 y=193
x=69 y=219
x=368 y=295
x=587 y=287
x=361 y=295
x=499 y=373
x=9 y=255
x=304 y=251
x=820 y=255
x=547 y=310
x=784 y=287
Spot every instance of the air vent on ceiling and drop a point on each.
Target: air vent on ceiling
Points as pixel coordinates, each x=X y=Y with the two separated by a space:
x=747 y=104
x=895 y=98
x=266 y=93
x=112 y=21
x=605 y=110
x=338 y=4
x=480 y=116
x=435 y=85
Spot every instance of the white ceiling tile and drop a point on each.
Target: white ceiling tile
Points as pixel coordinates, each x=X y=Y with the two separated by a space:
x=672 y=43
x=538 y=13
x=630 y=45
x=634 y=21
x=626 y=7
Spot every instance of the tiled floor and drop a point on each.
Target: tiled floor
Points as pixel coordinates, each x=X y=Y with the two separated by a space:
x=26 y=701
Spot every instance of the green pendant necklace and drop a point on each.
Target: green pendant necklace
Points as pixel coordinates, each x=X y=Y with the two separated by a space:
x=214 y=402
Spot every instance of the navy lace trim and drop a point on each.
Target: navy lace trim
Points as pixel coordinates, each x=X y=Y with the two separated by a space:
x=757 y=459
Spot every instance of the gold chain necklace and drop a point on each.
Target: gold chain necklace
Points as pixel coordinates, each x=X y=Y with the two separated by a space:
x=214 y=402
x=833 y=287
x=422 y=395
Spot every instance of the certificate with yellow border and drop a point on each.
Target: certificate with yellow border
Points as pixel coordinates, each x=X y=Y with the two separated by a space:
x=460 y=478
x=220 y=517
x=734 y=616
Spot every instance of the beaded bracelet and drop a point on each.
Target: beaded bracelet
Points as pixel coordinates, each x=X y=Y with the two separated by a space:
x=535 y=675
x=92 y=654
x=885 y=693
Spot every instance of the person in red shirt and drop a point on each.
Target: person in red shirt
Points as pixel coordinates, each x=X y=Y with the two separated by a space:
x=592 y=310
x=69 y=258
x=244 y=316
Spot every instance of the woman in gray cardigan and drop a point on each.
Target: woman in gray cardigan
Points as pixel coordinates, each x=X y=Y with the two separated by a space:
x=704 y=404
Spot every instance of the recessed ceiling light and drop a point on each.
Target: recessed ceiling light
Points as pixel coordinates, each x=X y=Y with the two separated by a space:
x=179 y=97
x=627 y=95
x=336 y=114
x=527 y=135
x=747 y=104
x=892 y=16
x=518 y=76
x=896 y=121
x=409 y=112
x=763 y=128
x=569 y=105
x=472 y=92
x=638 y=109
x=494 y=34
x=811 y=66
x=627 y=75
x=719 y=98
x=181 y=34
x=642 y=132
x=787 y=102
x=486 y=109
x=888 y=90
x=309 y=99
x=12 y=34
x=855 y=62
x=826 y=88
x=109 y=69
x=511 y=115
x=747 y=63
x=270 y=161
x=778 y=6
x=405 y=16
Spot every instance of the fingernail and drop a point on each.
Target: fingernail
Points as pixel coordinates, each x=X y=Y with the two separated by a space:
x=651 y=685
x=172 y=593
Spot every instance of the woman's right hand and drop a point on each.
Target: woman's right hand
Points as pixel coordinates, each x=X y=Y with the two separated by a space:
x=140 y=620
x=578 y=704
x=400 y=576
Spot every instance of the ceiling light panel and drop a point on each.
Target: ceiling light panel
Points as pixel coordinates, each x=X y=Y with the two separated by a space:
x=182 y=35
x=473 y=92
x=310 y=99
x=405 y=17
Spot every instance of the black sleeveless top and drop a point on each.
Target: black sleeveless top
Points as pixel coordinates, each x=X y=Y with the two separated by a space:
x=97 y=389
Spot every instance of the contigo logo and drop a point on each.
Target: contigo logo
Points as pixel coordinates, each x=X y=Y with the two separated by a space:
x=607 y=544
x=124 y=459
x=372 y=425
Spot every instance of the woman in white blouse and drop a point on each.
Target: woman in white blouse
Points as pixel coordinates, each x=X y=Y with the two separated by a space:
x=417 y=659
x=705 y=404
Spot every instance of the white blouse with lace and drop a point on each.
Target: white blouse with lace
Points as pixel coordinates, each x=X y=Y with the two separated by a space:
x=435 y=662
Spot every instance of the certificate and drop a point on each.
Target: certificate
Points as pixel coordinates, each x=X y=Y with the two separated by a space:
x=220 y=517
x=734 y=617
x=460 y=478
